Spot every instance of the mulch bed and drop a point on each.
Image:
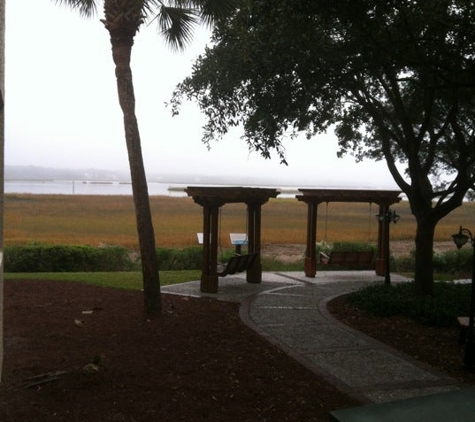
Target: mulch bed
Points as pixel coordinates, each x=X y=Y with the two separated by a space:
x=196 y=361
x=435 y=346
x=83 y=353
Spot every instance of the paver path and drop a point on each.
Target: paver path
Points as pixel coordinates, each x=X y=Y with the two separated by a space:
x=289 y=310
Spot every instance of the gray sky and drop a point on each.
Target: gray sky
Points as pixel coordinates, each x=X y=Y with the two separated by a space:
x=62 y=109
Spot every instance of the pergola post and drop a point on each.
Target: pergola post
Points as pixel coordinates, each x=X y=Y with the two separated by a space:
x=209 y=276
x=211 y=199
x=254 y=212
x=383 y=241
x=310 y=254
x=312 y=197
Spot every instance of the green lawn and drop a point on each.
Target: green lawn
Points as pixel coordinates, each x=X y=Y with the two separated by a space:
x=131 y=280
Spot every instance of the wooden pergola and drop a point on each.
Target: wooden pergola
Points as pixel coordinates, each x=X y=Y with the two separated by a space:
x=212 y=199
x=313 y=197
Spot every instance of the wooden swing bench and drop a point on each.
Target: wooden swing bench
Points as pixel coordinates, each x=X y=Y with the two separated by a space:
x=237 y=264
x=348 y=258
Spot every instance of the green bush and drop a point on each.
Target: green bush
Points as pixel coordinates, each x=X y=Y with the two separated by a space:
x=442 y=309
x=458 y=261
x=353 y=246
x=63 y=258
x=403 y=263
x=180 y=259
x=449 y=262
x=439 y=261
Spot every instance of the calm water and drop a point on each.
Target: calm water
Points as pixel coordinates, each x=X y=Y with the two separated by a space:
x=79 y=187
x=68 y=187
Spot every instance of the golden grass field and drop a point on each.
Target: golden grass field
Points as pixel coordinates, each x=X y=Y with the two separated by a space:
x=96 y=220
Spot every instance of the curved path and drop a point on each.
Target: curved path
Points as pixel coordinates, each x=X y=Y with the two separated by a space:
x=289 y=310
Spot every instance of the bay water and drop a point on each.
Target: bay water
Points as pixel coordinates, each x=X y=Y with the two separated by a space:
x=88 y=187
x=81 y=187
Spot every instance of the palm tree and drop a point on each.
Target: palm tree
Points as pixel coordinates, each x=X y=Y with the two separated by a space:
x=2 y=141
x=123 y=18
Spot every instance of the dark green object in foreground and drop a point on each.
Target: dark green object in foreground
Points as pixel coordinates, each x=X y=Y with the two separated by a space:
x=454 y=406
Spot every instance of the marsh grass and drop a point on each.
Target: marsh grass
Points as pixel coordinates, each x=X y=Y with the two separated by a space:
x=99 y=220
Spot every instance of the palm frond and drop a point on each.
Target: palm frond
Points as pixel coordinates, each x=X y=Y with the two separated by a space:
x=177 y=18
x=209 y=10
x=85 y=8
x=213 y=10
x=176 y=24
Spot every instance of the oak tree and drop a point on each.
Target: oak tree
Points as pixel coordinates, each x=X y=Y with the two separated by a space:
x=394 y=79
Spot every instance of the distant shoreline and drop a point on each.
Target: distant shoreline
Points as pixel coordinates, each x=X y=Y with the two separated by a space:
x=105 y=187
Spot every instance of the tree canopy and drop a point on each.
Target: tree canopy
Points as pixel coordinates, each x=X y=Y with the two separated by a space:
x=394 y=79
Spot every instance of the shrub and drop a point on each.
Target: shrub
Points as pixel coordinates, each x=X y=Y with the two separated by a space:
x=180 y=259
x=353 y=246
x=442 y=309
x=403 y=263
x=63 y=258
x=449 y=262
x=458 y=261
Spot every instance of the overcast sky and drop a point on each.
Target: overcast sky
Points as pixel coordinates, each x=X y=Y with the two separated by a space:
x=62 y=109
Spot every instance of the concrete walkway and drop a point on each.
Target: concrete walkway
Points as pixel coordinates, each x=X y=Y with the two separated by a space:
x=289 y=310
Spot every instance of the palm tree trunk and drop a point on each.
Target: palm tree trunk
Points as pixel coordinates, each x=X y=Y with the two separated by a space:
x=121 y=52
x=2 y=161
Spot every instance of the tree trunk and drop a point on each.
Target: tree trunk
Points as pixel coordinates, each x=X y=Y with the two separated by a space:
x=121 y=52
x=2 y=161
x=423 y=273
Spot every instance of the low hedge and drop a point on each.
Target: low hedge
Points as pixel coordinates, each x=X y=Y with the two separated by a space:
x=180 y=259
x=442 y=309
x=65 y=258
x=449 y=262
